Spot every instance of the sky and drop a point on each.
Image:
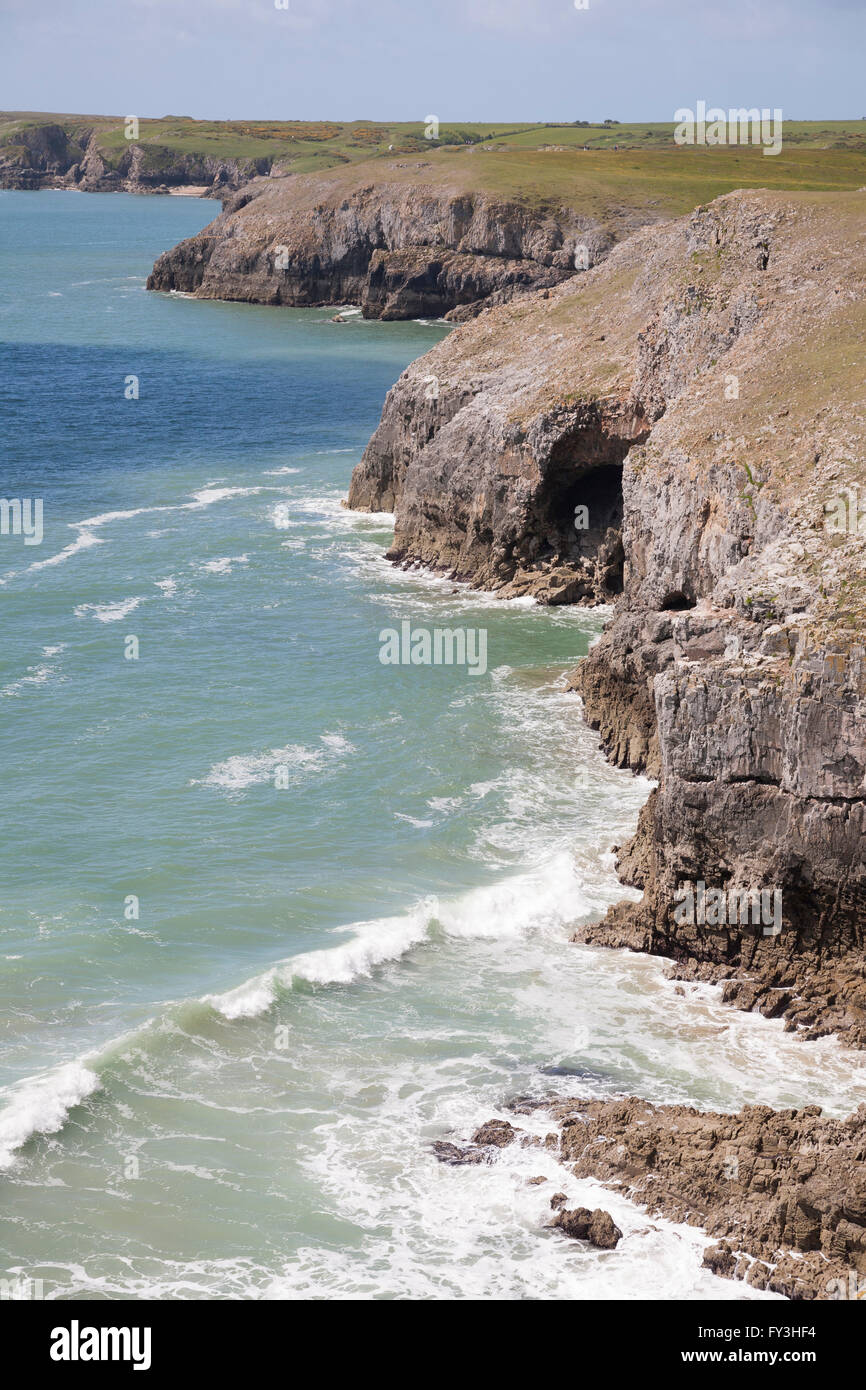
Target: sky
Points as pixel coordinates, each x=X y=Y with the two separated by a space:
x=461 y=60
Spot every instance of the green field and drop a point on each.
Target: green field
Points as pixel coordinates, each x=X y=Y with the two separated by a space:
x=306 y=146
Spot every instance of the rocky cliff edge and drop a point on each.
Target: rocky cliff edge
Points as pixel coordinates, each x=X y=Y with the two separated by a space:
x=681 y=430
x=400 y=238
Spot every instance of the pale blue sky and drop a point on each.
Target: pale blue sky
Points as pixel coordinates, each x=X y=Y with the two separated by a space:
x=522 y=60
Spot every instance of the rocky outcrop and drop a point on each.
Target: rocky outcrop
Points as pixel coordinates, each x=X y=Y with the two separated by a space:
x=785 y=1191
x=596 y=1227
x=37 y=157
x=51 y=156
x=685 y=424
x=782 y=1191
x=495 y=1134
x=414 y=244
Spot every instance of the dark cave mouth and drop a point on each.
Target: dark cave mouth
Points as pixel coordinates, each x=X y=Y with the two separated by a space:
x=675 y=601
x=580 y=525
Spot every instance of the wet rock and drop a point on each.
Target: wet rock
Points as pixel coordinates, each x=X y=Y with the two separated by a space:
x=758 y=1274
x=784 y=1189
x=495 y=1133
x=720 y=1259
x=597 y=1227
x=453 y=1154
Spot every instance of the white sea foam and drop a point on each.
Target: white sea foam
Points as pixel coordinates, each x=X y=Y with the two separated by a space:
x=41 y=1104
x=35 y=675
x=327 y=509
x=225 y=564
x=92 y=523
x=83 y=541
x=38 y=674
x=206 y=496
x=337 y=743
x=480 y=1231
x=168 y=586
x=244 y=770
x=373 y=944
x=544 y=899
x=109 y=612
x=279 y=472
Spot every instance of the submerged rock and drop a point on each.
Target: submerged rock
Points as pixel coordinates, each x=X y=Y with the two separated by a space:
x=453 y=1155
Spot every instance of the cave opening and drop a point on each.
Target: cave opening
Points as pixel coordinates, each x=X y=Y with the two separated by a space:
x=580 y=525
x=675 y=601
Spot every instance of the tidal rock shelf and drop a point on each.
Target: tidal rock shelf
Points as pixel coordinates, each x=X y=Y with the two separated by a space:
x=783 y=1192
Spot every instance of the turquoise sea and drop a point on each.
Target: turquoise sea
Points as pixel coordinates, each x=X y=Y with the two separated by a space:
x=276 y=916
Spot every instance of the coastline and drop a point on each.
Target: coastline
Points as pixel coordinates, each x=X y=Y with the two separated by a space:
x=635 y=868
x=666 y=613
x=699 y=672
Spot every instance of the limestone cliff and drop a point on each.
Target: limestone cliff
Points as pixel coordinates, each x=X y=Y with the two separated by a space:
x=418 y=242
x=685 y=423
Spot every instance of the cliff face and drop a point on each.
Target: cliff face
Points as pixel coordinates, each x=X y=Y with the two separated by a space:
x=699 y=395
x=48 y=156
x=408 y=247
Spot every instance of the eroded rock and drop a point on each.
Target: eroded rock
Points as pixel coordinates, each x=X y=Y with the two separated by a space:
x=597 y=1227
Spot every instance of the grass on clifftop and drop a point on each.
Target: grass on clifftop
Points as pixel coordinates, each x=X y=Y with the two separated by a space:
x=542 y=159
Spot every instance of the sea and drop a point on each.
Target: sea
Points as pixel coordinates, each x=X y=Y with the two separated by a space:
x=277 y=914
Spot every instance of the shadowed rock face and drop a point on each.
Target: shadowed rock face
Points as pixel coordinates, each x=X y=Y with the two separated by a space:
x=399 y=249
x=707 y=372
x=497 y=508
